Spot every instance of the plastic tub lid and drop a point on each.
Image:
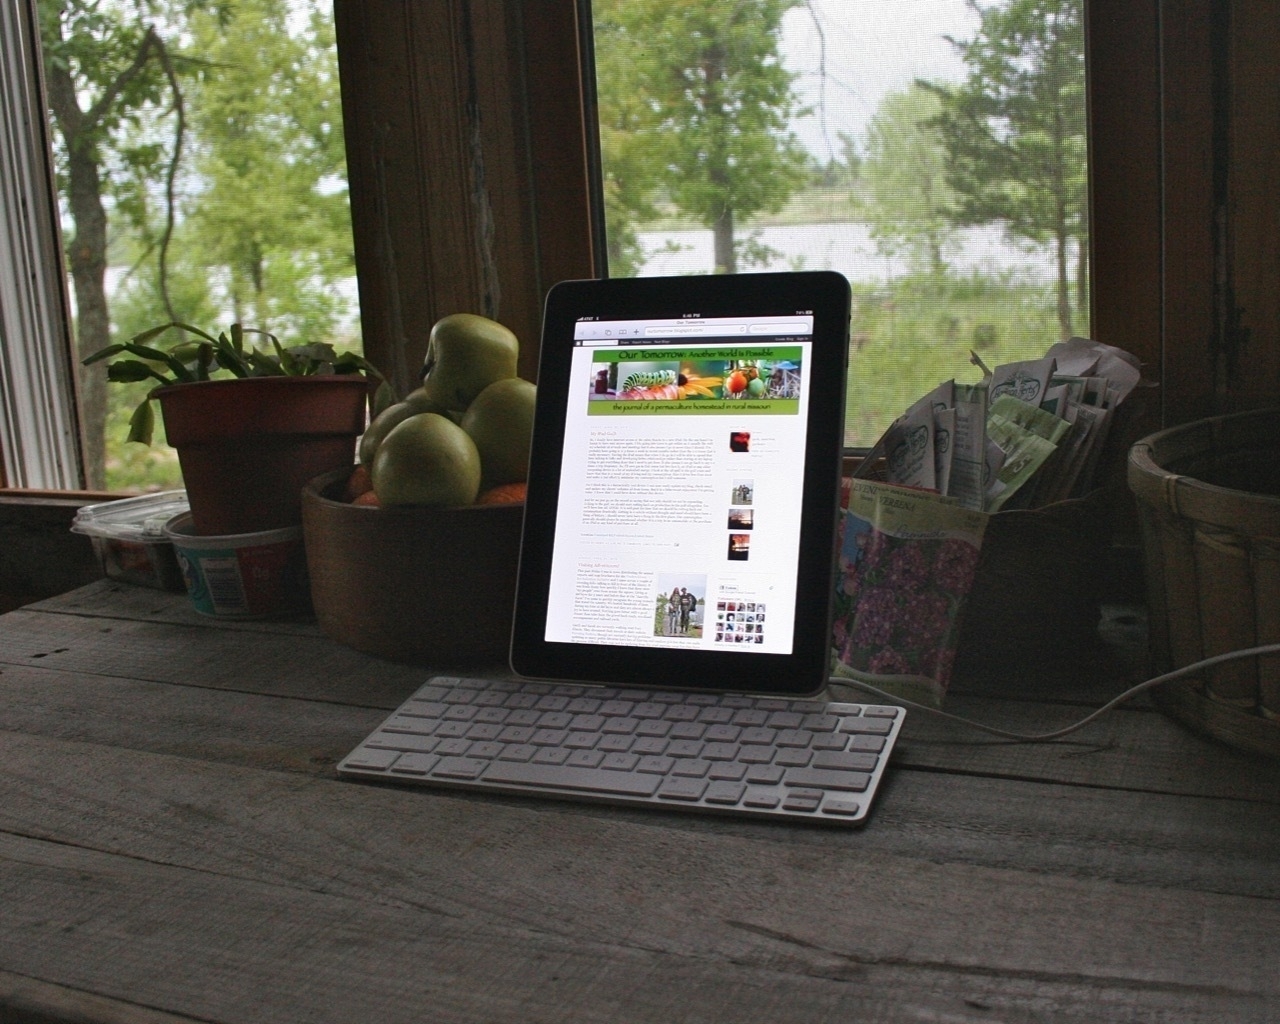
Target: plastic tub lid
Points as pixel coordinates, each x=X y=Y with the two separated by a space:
x=137 y=519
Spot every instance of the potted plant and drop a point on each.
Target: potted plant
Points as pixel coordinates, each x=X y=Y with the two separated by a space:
x=251 y=425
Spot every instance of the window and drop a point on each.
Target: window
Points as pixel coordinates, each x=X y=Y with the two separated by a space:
x=934 y=153
x=201 y=179
x=468 y=181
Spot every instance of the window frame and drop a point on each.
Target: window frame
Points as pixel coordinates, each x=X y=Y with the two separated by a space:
x=40 y=443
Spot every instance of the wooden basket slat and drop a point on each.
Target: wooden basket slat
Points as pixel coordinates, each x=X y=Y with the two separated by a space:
x=1208 y=496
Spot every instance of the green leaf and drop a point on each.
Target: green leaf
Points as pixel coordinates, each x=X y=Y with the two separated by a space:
x=175 y=365
x=102 y=353
x=130 y=371
x=142 y=423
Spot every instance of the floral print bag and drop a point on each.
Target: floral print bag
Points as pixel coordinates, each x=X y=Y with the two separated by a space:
x=906 y=563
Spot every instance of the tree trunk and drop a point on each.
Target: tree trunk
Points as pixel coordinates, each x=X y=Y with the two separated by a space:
x=87 y=261
x=722 y=229
x=1082 y=276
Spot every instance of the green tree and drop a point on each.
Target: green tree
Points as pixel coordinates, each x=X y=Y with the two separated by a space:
x=270 y=209
x=1015 y=132
x=108 y=73
x=705 y=97
x=911 y=209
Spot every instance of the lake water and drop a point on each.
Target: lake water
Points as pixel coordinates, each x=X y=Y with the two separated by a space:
x=847 y=247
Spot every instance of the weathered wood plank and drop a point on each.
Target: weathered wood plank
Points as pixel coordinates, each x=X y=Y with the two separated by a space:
x=680 y=928
x=30 y=1001
x=137 y=787
x=111 y=599
x=1135 y=749
x=195 y=655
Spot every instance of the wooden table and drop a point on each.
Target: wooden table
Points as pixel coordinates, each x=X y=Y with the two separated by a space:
x=175 y=846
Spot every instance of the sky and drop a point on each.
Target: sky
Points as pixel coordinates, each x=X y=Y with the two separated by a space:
x=872 y=47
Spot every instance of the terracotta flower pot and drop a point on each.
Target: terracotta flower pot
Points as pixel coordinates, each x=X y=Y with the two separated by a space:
x=248 y=446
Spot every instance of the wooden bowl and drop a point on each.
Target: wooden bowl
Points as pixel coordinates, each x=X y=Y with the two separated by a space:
x=427 y=586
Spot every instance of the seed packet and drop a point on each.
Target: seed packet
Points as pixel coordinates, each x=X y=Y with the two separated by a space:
x=906 y=565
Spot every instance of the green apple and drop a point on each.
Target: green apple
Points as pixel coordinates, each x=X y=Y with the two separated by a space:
x=380 y=426
x=421 y=401
x=426 y=459
x=500 y=422
x=465 y=354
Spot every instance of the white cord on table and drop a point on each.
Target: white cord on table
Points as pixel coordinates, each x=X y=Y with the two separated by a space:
x=1133 y=691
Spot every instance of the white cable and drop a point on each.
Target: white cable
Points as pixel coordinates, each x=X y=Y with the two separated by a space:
x=1168 y=677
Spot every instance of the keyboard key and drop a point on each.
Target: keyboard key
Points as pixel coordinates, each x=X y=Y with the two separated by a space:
x=402 y=741
x=373 y=760
x=840 y=805
x=682 y=789
x=516 y=734
x=722 y=734
x=691 y=768
x=762 y=798
x=845 y=761
x=585 y=780
x=725 y=793
x=687 y=731
x=415 y=764
x=802 y=800
x=818 y=778
x=872 y=726
x=459 y=768
x=790 y=758
x=764 y=774
x=620 y=762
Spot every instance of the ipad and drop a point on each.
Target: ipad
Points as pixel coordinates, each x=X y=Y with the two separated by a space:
x=684 y=483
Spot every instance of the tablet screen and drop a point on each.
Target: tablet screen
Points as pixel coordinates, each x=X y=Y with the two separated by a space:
x=684 y=483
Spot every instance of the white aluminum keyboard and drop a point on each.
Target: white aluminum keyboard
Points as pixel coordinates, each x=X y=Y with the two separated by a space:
x=805 y=760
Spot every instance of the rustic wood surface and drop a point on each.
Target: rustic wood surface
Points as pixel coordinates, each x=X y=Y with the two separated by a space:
x=175 y=846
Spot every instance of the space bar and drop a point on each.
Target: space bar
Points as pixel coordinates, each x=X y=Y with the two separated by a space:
x=584 y=780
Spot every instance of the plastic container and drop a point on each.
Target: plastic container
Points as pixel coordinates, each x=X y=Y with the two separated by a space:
x=242 y=575
x=129 y=539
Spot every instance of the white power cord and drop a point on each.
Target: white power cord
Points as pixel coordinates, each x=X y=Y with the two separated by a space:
x=1047 y=737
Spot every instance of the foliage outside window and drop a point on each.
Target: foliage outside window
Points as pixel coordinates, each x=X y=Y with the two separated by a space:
x=202 y=177
x=702 y=106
